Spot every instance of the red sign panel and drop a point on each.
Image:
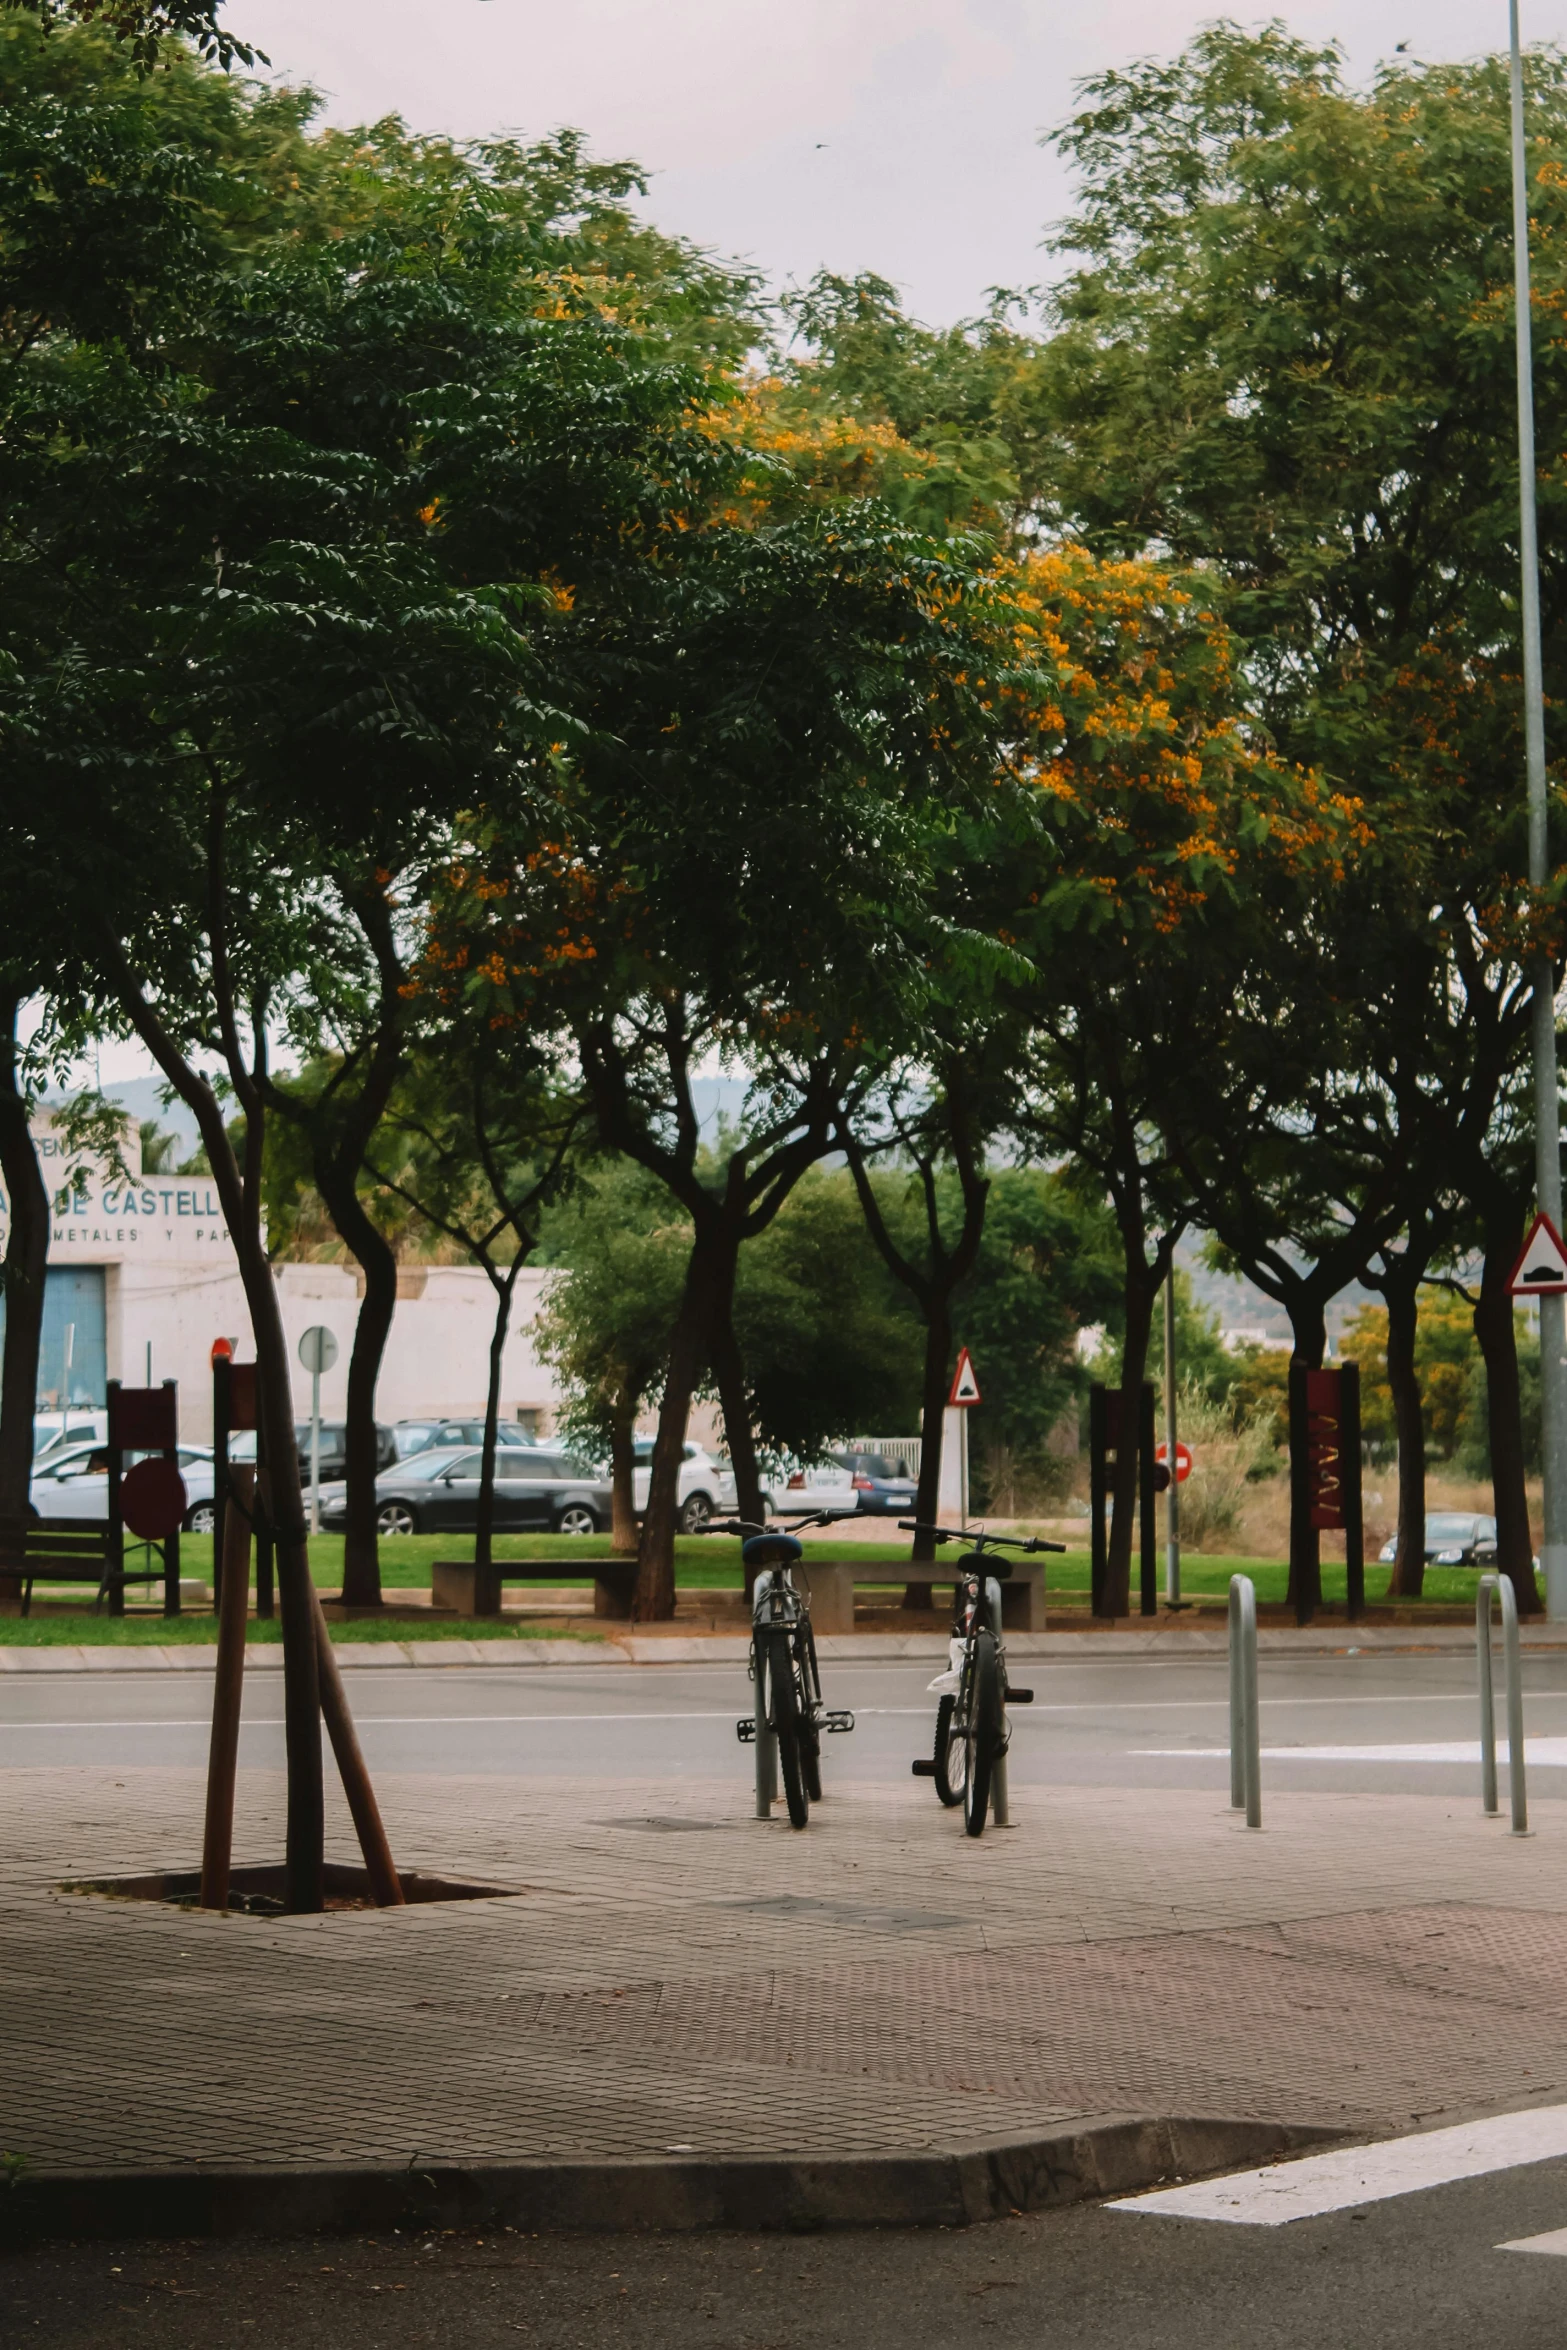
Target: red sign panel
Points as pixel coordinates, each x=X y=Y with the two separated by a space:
x=153 y=1500
x=1324 y=1449
x=143 y=1419
x=242 y=1396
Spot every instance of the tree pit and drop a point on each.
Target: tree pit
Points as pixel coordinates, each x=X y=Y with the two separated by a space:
x=260 y=1892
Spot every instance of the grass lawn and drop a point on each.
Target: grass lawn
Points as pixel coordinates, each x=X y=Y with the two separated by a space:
x=701 y=1563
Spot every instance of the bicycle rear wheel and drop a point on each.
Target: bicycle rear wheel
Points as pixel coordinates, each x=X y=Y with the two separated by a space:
x=984 y=1731
x=951 y=1754
x=784 y=1709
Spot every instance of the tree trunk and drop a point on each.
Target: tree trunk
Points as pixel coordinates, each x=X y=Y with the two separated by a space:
x=654 y=1598
x=373 y=1254
x=622 y=1478
x=1141 y=1290
x=26 y=1261
x=729 y=1371
x=934 y=1385
x=1493 y=1322
x=1407 y=1580
x=487 y=1581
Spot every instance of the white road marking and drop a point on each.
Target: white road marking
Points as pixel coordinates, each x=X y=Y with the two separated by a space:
x=1555 y=2240
x=1342 y=2181
x=1549 y=1753
x=439 y=1721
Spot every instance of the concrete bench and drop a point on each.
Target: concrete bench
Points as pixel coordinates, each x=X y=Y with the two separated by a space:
x=832 y=1586
x=455 y=1583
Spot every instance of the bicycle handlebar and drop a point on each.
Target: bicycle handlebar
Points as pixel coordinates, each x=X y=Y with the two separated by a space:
x=976 y=1540
x=799 y=1518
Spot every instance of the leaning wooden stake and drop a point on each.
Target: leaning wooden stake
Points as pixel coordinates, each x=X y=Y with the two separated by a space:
x=228 y=1687
x=380 y=1868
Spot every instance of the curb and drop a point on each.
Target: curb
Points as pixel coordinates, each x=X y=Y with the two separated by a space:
x=724 y=1648
x=957 y=2188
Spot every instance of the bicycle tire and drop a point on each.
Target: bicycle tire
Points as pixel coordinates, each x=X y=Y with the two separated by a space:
x=984 y=1731
x=949 y=1750
x=784 y=1712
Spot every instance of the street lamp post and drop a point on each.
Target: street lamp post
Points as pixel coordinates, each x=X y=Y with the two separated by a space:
x=1547 y=1134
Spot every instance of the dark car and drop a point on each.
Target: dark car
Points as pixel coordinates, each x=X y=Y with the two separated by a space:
x=880 y=1483
x=410 y=1437
x=1455 y=1538
x=334 y=1449
x=536 y=1490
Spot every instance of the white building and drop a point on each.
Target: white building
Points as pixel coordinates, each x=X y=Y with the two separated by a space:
x=142 y=1279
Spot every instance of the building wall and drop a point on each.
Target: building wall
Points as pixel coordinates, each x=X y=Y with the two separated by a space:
x=171 y=1286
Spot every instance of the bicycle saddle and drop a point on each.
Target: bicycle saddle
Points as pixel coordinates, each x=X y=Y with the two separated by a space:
x=772 y=1550
x=984 y=1562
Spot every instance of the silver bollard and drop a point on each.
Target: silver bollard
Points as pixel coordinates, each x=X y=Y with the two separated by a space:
x=1245 y=1727
x=1513 y=1675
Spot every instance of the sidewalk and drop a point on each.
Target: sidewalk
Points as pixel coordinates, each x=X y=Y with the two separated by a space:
x=688 y=2016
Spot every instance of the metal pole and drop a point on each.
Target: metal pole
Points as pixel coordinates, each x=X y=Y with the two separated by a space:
x=963 y=1467
x=315 y=1446
x=1547 y=1135
x=1517 y=1787
x=1487 y=1703
x=1172 y=1504
x=1245 y=1726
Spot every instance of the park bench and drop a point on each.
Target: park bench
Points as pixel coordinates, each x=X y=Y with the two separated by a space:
x=832 y=1585
x=454 y=1583
x=65 y=1550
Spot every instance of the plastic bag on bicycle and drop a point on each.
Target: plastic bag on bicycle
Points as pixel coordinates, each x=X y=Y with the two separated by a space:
x=946 y=1684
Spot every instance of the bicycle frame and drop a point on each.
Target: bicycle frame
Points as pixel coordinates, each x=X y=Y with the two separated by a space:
x=780 y=1614
x=973 y=1692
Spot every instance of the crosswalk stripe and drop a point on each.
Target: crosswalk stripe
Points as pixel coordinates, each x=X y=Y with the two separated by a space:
x=1315 y=2184
x=1554 y=2240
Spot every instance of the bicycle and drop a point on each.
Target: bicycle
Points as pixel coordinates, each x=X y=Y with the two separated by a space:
x=789 y=1708
x=973 y=1693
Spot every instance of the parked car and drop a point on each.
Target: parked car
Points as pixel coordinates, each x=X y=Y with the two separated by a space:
x=74 y=1483
x=438 y=1492
x=1454 y=1538
x=823 y=1485
x=703 y=1492
x=882 y=1485
x=53 y=1431
x=409 y=1437
x=334 y=1449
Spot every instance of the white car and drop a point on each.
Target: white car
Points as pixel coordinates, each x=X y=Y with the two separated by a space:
x=824 y=1485
x=705 y=1490
x=74 y=1483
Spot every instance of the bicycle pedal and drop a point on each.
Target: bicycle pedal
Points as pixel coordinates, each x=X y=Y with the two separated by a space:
x=1020 y=1697
x=924 y=1768
x=745 y=1729
x=837 y=1722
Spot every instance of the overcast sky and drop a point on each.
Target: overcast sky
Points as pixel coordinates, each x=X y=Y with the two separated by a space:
x=894 y=135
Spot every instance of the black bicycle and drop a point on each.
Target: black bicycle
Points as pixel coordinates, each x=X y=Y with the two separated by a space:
x=973 y=1693
x=783 y=1660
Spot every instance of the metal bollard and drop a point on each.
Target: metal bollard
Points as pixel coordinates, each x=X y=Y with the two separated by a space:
x=1513 y=1673
x=1245 y=1728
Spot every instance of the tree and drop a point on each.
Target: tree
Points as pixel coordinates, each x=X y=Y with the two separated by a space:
x=609 y=1314
x=1285 y=353
x=481 y=1138
x=829 y=1346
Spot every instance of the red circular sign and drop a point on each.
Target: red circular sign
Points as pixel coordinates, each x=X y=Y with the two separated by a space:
x=1183 y=1461
x=153 y=1499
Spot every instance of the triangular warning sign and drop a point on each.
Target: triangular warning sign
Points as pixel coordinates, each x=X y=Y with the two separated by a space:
x=965 y=1387
x=1541 y=1270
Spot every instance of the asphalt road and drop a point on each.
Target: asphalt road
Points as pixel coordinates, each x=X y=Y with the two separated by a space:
x=1384 y=1723
x=1422 y=2272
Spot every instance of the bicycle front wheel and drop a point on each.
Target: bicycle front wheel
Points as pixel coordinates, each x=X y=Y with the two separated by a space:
x=951 y=1754
x=984 y=1731
x=784 y=1709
